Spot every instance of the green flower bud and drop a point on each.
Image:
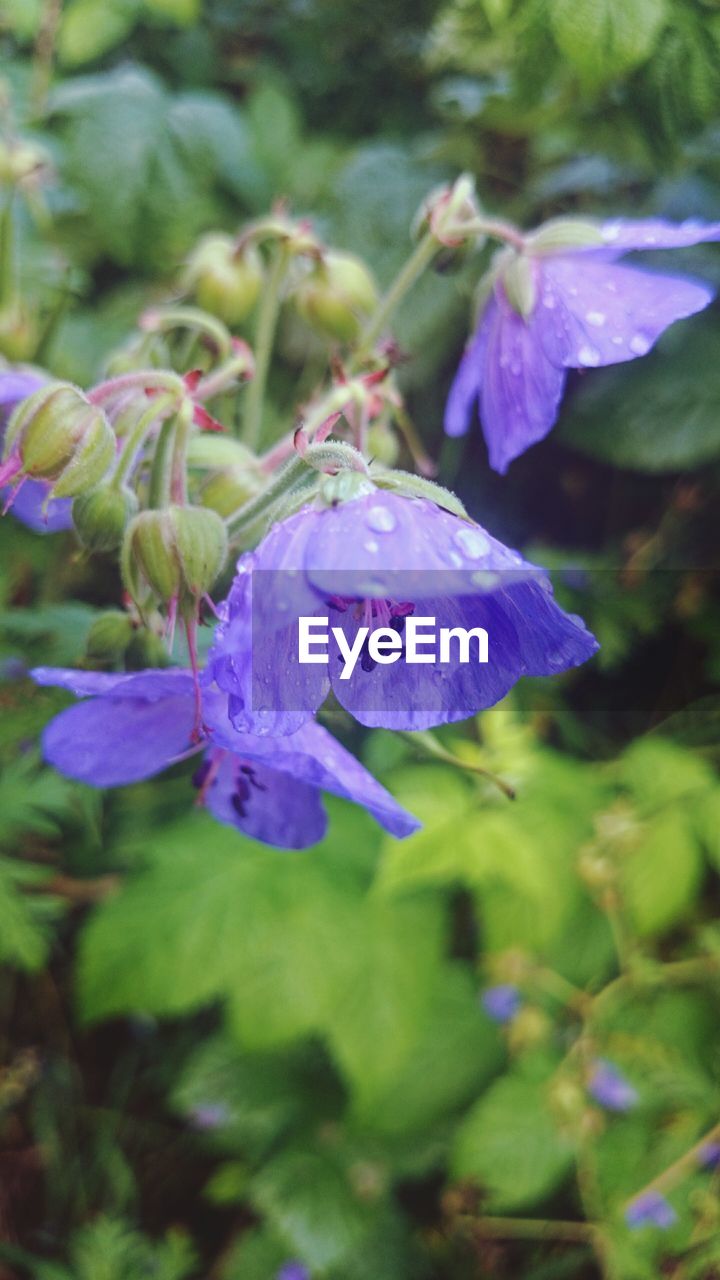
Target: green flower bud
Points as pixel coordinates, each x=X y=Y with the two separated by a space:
x=225 y=491
x=224 y=279
x=451 y=214
x=101 y=516
x=177 y=553
x=564 y=233
x=108 y=639
x=61 y=437
x=336 y=295
x=19 y=334
x=20 y=159
x=518 y=279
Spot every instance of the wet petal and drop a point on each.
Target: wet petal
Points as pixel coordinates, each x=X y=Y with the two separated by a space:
x=623 y=234
x=521 y=388
x=133 y=732
x=595 y=314
x=267 y=805
x=466 y=383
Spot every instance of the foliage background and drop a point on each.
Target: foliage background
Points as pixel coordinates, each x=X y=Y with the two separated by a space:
x=217 y=1057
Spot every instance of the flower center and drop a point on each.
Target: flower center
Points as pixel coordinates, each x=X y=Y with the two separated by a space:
x=373 y=614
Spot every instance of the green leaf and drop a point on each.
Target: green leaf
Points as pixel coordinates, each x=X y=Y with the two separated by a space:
x=605 y=39
x=292 y=943
x=662 y=875
x=89 y=28
x=24 y=935
x=657 y=414
x=510 y=1145
x=658 y=773
x=182 y=12
x=262 y=1096
x=456 y=1054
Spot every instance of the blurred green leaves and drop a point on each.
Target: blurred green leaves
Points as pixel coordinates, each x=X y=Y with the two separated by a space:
x=605 y=39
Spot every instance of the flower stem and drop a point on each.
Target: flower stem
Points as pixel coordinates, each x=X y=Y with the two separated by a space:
x=531 y=1229
x=136 y=437
x=163 y=319
x=8 y=282
x=264 y=340
x=681 y=1167
x=162 y=465
x=144 y=379
x=418 y=262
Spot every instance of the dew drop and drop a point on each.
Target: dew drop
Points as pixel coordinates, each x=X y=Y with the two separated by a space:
x=611 y=231
x=596 y=318
x=372 y=546
x=639 y=344
x=549 y=301
x=588 y=356
x=380 y=520
x=473 y=542
x=484 y=579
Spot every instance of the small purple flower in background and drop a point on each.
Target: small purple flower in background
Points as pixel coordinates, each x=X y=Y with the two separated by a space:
x=708 y=1155
x=501 y=1002
x=579 y=311
x=375 y=559
x=30 y=503
x=292 y=1271
x=209 y=1115
x=650 y=1209
x=608 y=1086
x=12 y=669
x=131 y=727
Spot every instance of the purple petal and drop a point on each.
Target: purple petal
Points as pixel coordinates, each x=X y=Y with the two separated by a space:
x=502 y=1002
x=264 y=803
x=139 y=727
x=521 y=387
x=624 y=234
x=466 y=383
x=650 y=1209
x=608 y=1086
x=594 y=313
x=311 y=757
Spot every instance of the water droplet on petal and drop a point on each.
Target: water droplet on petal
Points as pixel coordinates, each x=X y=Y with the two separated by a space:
x=596 y=318
x=473 y=542
x=617 y=340
x=611 y=231
x=380 y=519
x=640 y=345
x=484 y=579
x=588 y=356
x=372 y=546
x=549 y=301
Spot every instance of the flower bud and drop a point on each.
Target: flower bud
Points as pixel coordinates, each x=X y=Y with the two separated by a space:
x=225 y=280
x=225 y=491
x=19 y=334
x=108 y=639
x=336 y=295
x=20 y=159
x=59 y=436
x=177 y=553
x=382 y=444
x=450 y=213
x=101 y=516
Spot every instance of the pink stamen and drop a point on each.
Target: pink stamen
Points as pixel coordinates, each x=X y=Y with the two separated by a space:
x=191 y=637
x=216 y=760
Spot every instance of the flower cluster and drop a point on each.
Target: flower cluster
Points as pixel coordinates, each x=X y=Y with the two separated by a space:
x=139 y=466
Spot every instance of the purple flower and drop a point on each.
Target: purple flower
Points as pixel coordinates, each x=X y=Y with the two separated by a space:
x=650 y=1209
x=133 y=726
x=581 y=311
x=501 y=1002
x=292 y=1271
x=608 y=1086
x=209 y=1116
x=376 y=560
x=30 y=503
x=709 y=1155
